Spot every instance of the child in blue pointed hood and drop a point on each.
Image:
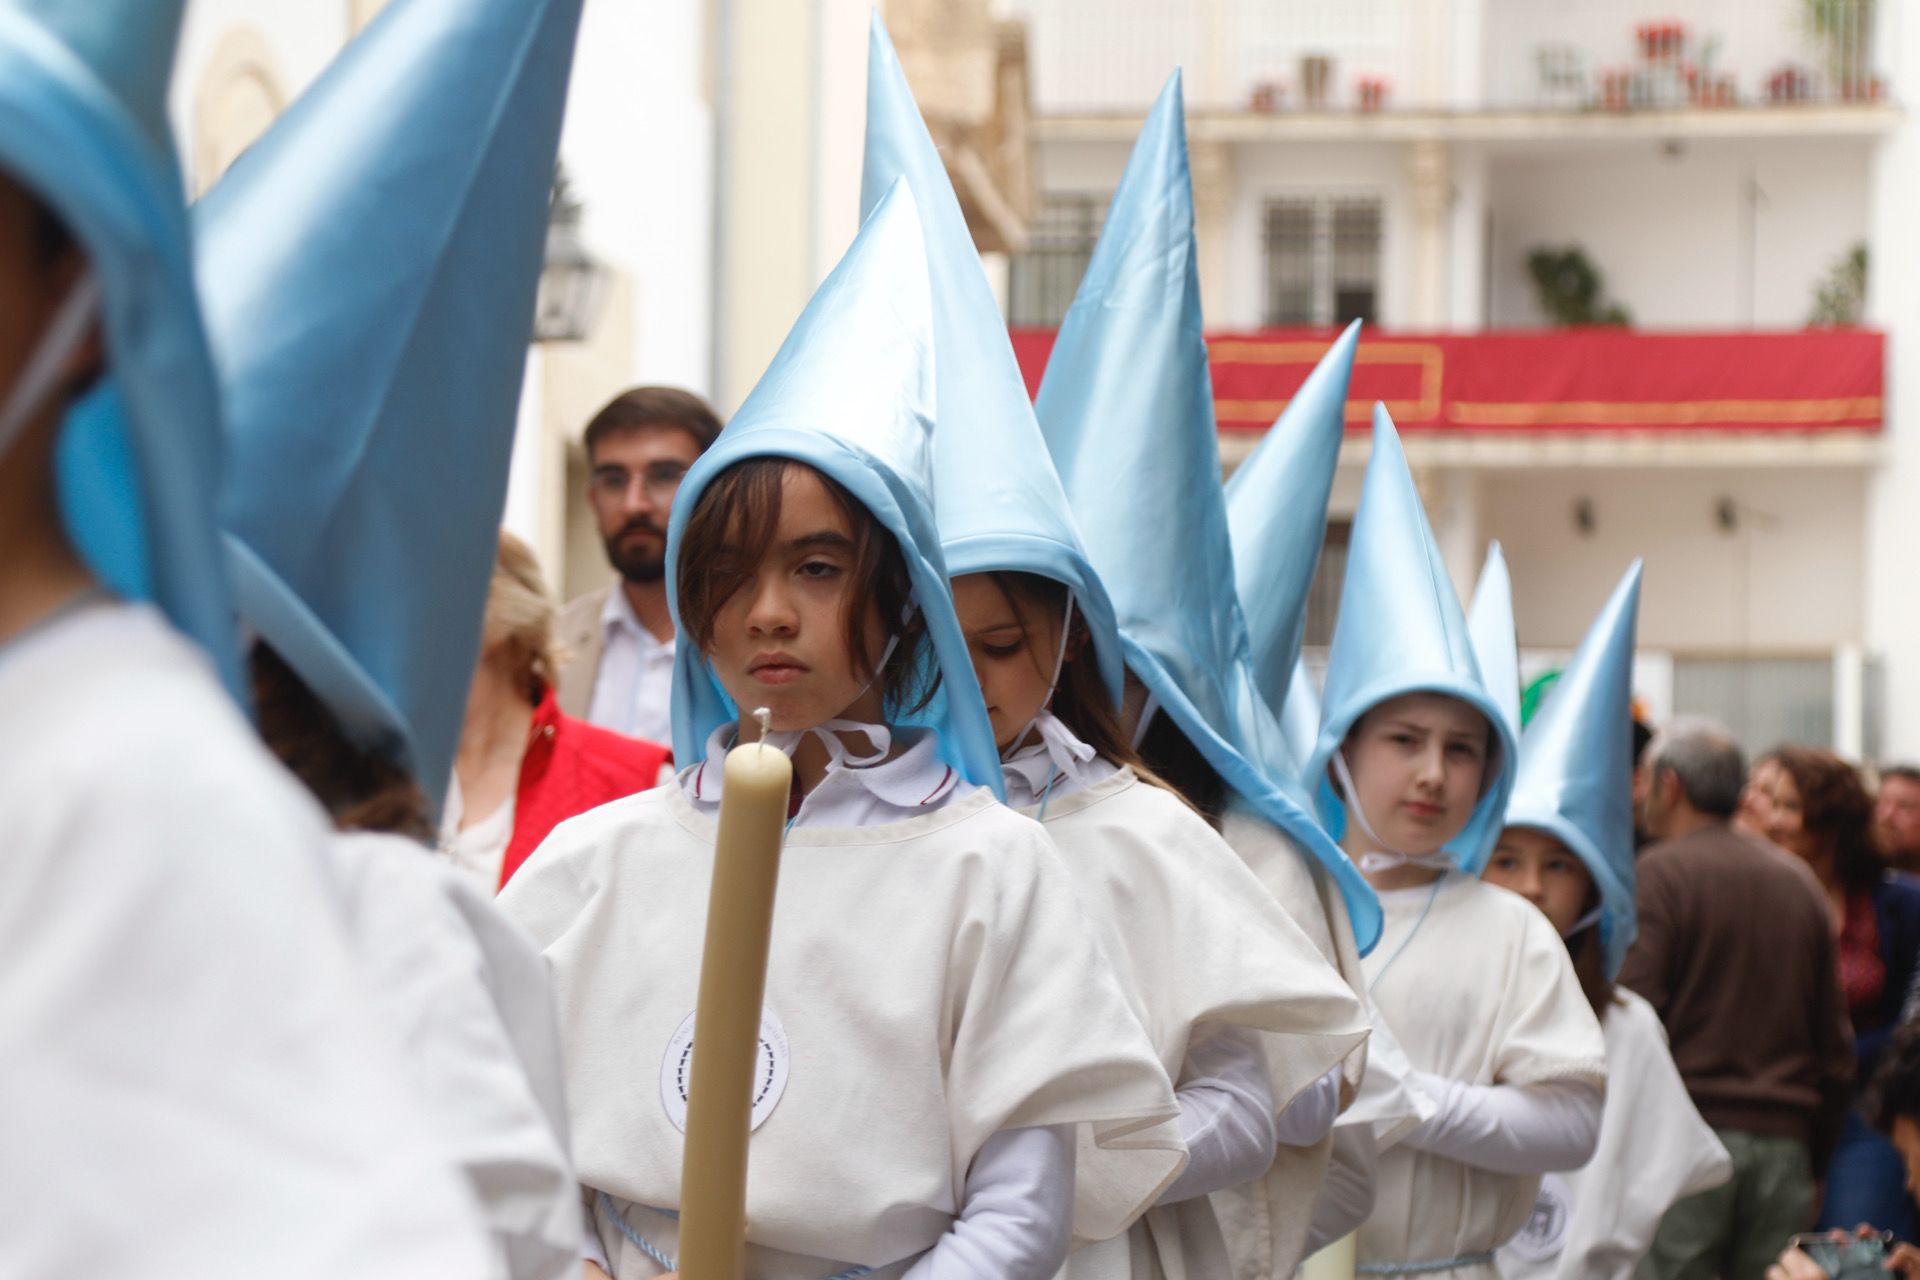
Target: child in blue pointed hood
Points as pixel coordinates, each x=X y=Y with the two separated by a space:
x=939 y=1024
x=1568 y=849
x=1242 y=1012
x=1412 y=768
x=195 y=1085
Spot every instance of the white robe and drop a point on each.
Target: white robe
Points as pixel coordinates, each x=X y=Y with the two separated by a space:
x=195 y=1084
x=1478 y=988
x=1598 y=1222
x=466 y=994
x=1268 y=1223
x=932 y=982
x=1195 y=940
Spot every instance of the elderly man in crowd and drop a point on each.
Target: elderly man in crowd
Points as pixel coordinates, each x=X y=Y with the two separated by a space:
x=1735 y=952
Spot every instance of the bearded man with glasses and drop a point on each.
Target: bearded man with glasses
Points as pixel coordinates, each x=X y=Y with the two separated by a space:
x=619 y=640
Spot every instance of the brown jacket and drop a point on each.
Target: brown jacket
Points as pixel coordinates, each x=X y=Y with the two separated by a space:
x=1736 y=954
x=580 y=635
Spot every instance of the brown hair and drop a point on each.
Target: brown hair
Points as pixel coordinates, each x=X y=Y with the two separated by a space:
x=520 y=615
x=654 y=407
x=1590 y=960
x=361 y=790
x=731 y=527
x=1835 y=809
x=1080 y=699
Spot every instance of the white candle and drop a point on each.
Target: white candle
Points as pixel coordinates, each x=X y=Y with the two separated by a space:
x=733 y=980
x=1335 y=1262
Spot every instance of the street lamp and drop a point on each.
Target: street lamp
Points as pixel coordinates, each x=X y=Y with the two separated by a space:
x=571 y=281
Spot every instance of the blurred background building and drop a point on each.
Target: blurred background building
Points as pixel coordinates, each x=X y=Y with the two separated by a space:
x=1729 y=188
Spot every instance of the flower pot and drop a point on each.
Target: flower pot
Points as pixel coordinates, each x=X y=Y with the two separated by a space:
x=1316 y=74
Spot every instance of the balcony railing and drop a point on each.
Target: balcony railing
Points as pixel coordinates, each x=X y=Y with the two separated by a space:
x=1555 y=382
x=1360 y=56
x=1617 y=55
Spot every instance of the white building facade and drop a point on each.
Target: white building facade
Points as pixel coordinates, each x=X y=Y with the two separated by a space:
x=1395 y=160
x=1398 y=160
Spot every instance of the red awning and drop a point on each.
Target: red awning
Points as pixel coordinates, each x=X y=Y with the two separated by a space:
x=1559 y=380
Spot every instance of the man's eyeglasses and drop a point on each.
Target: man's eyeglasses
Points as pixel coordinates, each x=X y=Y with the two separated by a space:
x=659 y=481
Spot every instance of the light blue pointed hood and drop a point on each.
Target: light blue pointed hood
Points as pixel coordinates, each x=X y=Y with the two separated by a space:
x=1496 y=644
x=1127 y=410
x=1277 y=517
x=996 y=498
x=1576 y=764
x=368 y=270
x=83 y=128
x=1300 y=717
x=1401 y=631
x=851 y=394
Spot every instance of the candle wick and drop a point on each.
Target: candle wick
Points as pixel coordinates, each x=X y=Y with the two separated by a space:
x=765 y=717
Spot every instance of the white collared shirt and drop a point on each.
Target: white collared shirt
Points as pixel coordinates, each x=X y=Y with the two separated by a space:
x=913 y=783
x=633 y=689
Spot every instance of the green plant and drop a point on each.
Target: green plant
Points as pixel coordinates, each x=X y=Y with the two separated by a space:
x=1846 y=26
x=1570 y=288
x=1841 y=298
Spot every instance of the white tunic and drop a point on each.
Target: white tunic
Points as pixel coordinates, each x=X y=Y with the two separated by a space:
x=1196 y=941
x=932 y=982
x=194 y=1082
x=1598 y=1222
x=1269 y=1223
x=466 y=994
x=1479 y=989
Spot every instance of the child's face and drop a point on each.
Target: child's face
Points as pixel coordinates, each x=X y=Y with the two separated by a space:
x=1013 y=648
x=1544 y=872
x=780 y=640
x=1417 y=763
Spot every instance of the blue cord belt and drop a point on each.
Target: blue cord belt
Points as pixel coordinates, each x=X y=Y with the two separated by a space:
x=647 y=1246
x=1423 y=1268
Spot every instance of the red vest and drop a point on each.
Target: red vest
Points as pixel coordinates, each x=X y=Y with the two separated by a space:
x=570 y=767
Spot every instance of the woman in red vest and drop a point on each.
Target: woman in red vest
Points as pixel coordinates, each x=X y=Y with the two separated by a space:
x=523 y=766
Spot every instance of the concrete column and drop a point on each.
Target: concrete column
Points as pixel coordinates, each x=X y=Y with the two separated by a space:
x=1467 y=240
x=1893 y=514
x=1466 y=48
x=1432 y=196
x=1213 y=182
x=527 y=478
x=767 y=235
x=1849 y=696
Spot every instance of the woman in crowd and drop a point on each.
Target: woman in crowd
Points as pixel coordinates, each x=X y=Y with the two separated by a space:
x=523 y=765
x=1819 y=810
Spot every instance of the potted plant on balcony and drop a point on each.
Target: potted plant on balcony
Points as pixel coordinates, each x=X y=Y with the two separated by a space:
x=1570 y=289
x=1316 y=75
x=1661 y=41
x=1789 y=84
x=1845 y=27
x=1616 y=89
